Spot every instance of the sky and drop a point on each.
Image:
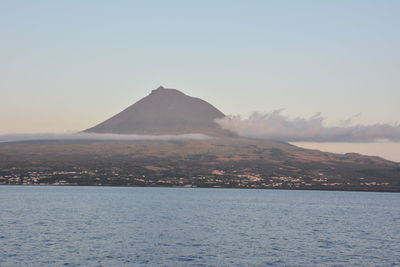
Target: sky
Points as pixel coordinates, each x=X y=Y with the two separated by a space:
x=68 y=65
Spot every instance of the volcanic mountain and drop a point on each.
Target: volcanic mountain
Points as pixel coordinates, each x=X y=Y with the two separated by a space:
x=226 y=160
x=165 y=111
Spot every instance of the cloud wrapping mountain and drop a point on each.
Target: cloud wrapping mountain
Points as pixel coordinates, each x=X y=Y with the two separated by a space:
x=279 y=127
x=97 y=136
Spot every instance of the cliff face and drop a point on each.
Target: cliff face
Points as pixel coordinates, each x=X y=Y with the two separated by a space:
x=164 y=111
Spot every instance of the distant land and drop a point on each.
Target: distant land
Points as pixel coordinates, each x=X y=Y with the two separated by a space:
x=225 y=160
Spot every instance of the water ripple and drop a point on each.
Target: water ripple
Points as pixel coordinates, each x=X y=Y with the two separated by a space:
x=106 y=226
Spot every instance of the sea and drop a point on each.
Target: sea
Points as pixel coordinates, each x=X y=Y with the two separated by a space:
x=136 y=226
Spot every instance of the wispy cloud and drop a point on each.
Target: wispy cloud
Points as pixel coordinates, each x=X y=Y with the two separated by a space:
x=96 y=136
x=276 y=126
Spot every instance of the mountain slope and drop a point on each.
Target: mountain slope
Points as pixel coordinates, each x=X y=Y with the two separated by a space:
x=218 y=162
x=164 y=111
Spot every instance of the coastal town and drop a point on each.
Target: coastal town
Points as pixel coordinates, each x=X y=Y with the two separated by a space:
x=149 y=177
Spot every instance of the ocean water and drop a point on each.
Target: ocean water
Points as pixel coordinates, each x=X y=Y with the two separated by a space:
x=128 y=226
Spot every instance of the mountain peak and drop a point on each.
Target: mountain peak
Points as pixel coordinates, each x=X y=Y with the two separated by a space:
x=165 y=111
x=164 y=90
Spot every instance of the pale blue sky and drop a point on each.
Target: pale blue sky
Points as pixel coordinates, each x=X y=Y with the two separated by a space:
x=67 y=65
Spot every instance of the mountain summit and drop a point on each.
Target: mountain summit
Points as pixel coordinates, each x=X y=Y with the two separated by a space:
x=164 y=111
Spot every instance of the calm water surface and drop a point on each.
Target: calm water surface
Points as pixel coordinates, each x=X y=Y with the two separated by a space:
x=121 y=226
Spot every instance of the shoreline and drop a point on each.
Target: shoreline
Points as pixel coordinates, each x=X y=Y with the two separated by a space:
x=212 y=187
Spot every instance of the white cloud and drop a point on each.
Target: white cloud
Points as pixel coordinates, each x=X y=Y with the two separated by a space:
x=98 y=136
x=279 y=127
